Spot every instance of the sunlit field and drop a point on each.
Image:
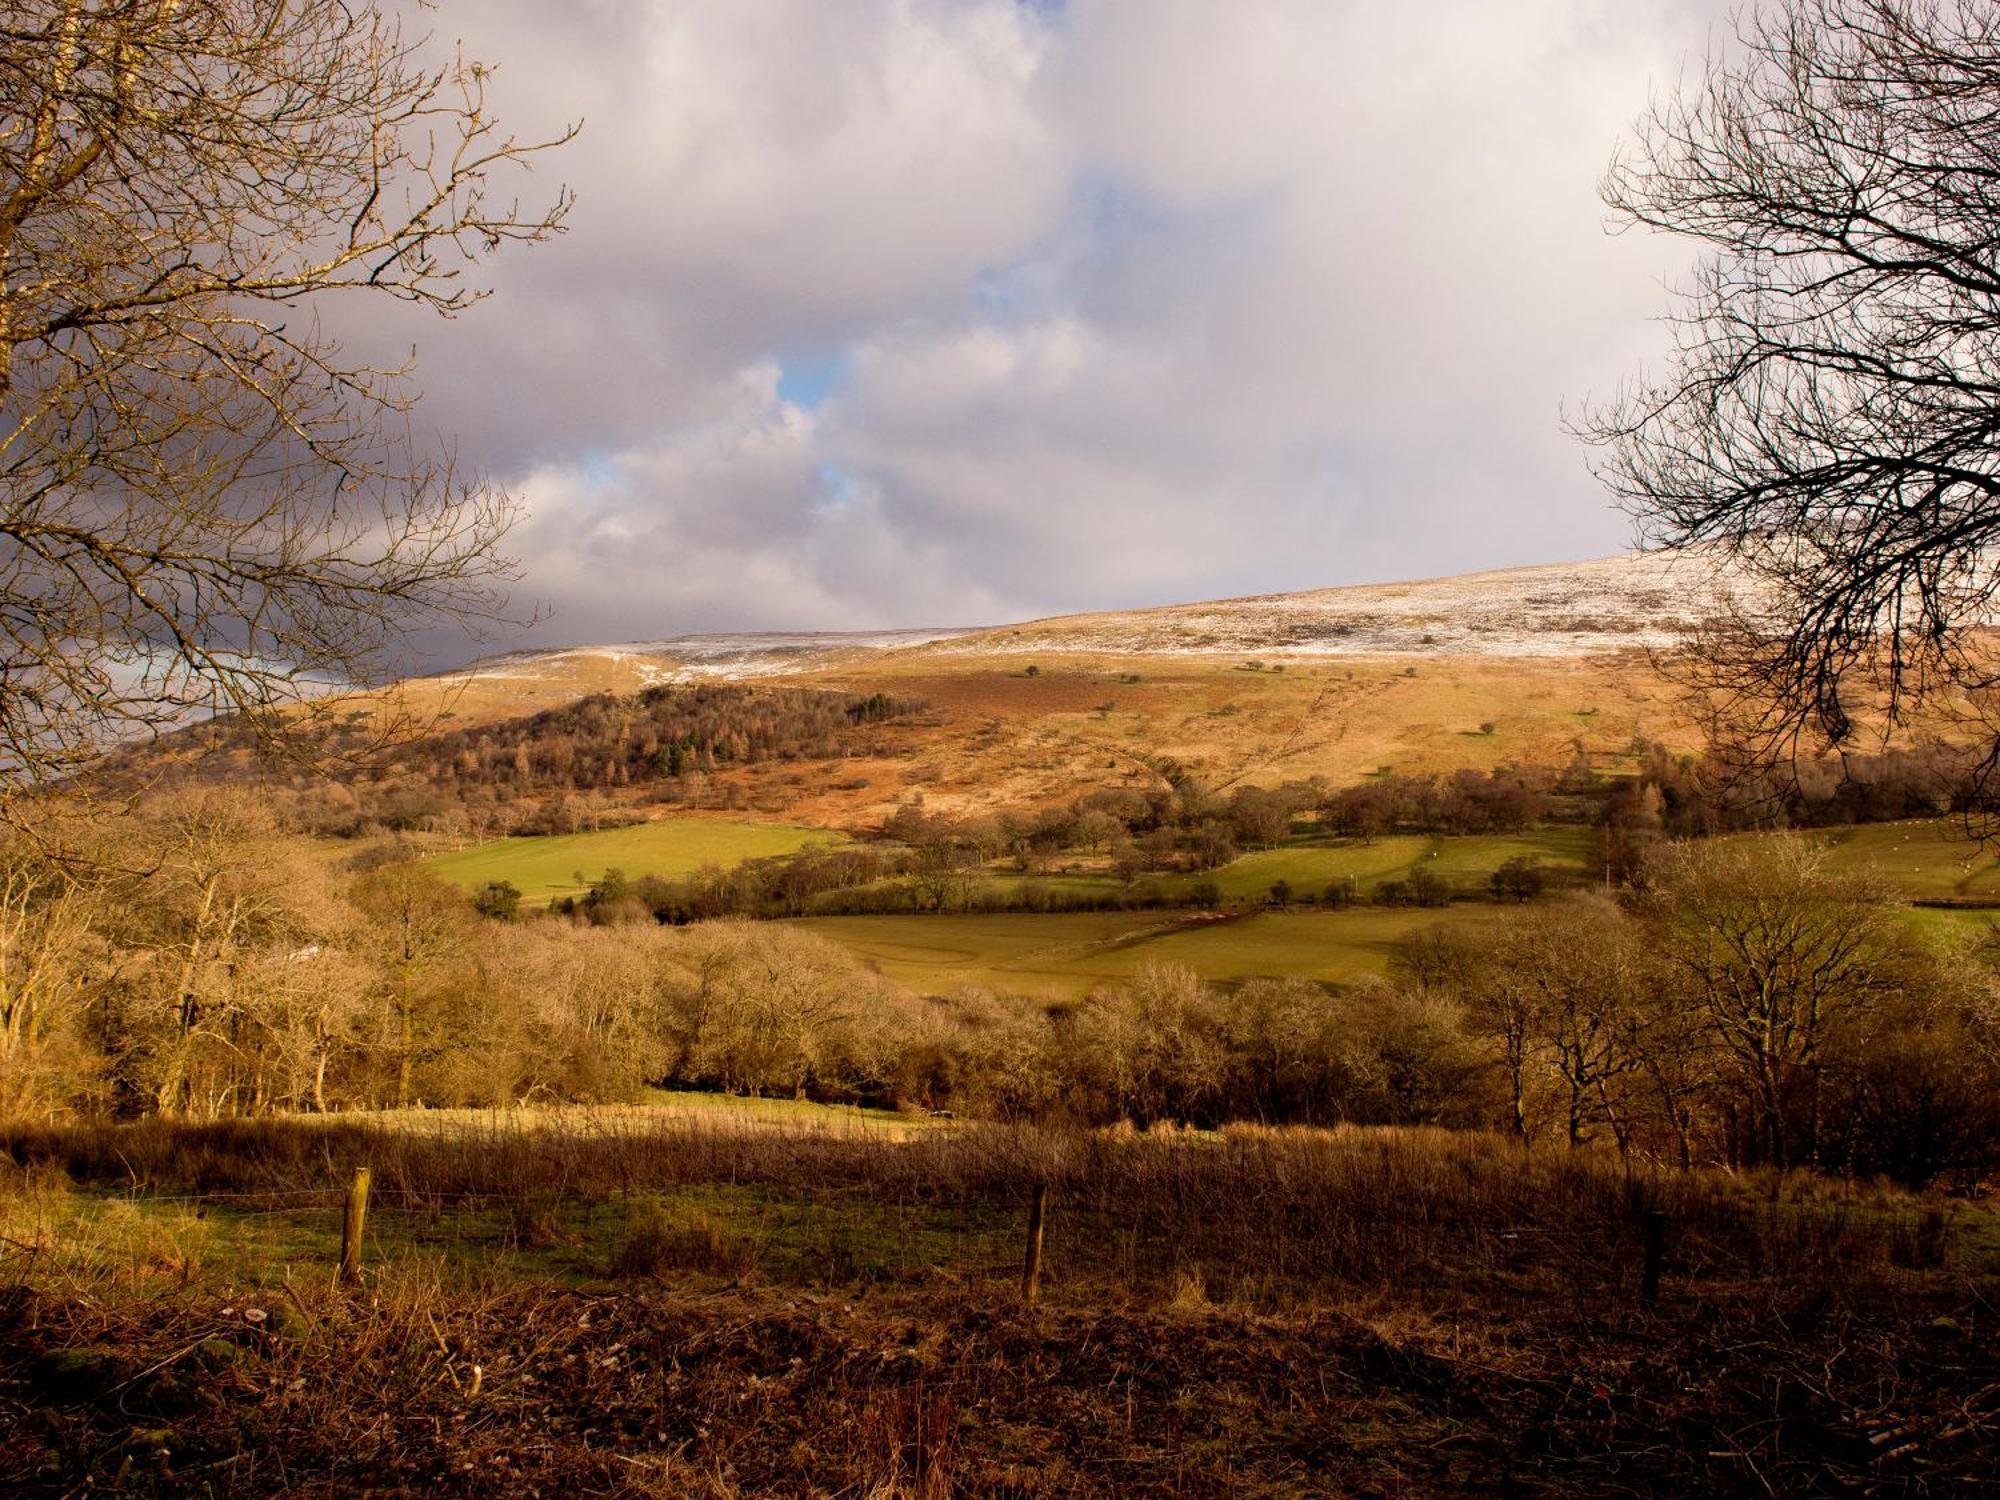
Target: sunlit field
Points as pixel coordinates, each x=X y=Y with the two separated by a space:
x=1937 y=859
x=543 y=869
x=1070 y=953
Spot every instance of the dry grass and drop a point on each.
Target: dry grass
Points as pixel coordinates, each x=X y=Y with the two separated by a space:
x=654 y=1242
x=1277 y=1207
x=1256 y=1312
x=1003 y=739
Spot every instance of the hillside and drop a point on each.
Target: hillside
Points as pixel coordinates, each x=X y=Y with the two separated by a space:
x=1524 y=664
x=523 y=681
x=1538 y=666
x=1636 y=601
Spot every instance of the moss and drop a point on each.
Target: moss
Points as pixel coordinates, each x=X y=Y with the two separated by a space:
x=80 y=1374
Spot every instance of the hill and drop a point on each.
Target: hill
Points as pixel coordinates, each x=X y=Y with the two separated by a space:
x=1538 y=664
x=1635 y=601
x=1615 y=604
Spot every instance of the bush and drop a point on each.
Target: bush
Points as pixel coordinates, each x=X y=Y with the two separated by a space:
x=1519 y=879
x=498 y=899
x=652 y=1243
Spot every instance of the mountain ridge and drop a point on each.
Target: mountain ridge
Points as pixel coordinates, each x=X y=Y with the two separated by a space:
x=1599 y=606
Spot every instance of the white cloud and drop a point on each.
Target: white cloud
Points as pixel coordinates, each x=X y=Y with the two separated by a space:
x=1137 y=302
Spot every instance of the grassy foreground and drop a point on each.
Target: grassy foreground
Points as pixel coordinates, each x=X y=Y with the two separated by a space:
x=666 y=1309
x=543 y=869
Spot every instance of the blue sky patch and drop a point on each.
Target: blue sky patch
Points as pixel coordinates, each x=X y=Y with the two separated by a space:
x=806 y=380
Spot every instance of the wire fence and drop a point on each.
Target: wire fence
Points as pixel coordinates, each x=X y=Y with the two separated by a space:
x=1193 y=1243
x=1239 y=1212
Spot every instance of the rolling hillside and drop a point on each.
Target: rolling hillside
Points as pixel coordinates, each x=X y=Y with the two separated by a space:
x=1636 y=601
x=1526 y=664
x=1533 y=666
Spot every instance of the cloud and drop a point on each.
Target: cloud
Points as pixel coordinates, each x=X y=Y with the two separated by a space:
x=1070 y=306
x=782 y=541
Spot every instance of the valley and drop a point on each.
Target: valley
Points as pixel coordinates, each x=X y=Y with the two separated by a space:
x=677 y=1005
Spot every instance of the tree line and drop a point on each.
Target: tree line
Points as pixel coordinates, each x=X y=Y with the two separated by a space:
x=1738 y=1004
x=590 y=763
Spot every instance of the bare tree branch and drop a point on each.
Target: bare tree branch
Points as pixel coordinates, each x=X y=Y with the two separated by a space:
x=1830 y=413
x=204 y=503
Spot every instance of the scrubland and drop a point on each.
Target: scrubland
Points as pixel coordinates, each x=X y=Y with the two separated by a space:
x=629 y=1308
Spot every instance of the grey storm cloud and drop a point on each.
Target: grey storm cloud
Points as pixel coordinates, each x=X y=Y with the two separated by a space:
x=890 y=312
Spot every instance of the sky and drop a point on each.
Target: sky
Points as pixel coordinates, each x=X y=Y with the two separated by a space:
x=882 y=313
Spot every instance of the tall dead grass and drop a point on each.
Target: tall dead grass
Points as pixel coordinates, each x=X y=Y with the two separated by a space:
x=1252 y=1208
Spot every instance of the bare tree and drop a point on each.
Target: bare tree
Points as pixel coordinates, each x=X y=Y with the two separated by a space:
x=1778 y=954
x=1830 y=413
x=205 y=504
x=417 y=922
x=44 y=971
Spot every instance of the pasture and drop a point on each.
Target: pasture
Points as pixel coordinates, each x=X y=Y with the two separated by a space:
x=1465 y=863
x=544 y=869
x=1067 y=954
x=1313 y=866
x=1931 y=860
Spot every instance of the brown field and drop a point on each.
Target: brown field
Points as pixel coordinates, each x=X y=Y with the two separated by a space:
x=1009 y=738
x=999 y=738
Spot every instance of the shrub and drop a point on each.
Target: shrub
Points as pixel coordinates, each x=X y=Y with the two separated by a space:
x=499 y=899
x=652 y=1243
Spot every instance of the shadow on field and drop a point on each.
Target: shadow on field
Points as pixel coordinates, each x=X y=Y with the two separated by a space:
x=637 y=1309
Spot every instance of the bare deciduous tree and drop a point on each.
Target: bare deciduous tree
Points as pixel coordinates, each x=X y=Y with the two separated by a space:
x=204 y=503
x=418 y=922
x=44 y=943
x=1780 y=955
x=1830 y=412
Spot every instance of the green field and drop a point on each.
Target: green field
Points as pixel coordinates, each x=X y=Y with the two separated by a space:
x=1952 y=928
x=1070 y=953
x=543 y=869
x=1465 y=862
x=1315 y=866
x=1933 y=860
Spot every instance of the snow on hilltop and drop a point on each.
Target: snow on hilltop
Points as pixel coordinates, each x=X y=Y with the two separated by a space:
x=687 y=658
x=1558 y=609
x=1561 y=609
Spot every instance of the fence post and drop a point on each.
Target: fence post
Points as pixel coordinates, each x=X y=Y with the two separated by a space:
x=351 y=1222
x=1031 y=1267
x=1656 y=1251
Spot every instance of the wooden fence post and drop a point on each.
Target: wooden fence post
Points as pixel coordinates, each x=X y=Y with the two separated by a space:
x=1656 y=1252
x=1031 y=1267
x=351 y=1223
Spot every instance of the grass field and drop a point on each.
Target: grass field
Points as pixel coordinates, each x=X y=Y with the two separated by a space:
x=656 y=1107
x=1465 y=862
x=1069 y=953
x=543 y=869
x=1933 y=860
x=1313 y=866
